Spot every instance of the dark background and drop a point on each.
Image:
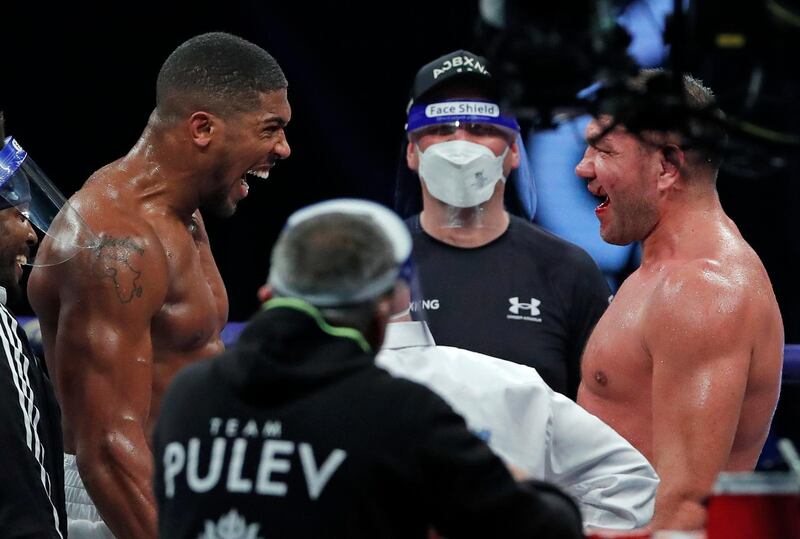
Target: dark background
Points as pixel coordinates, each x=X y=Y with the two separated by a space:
x=78 y=84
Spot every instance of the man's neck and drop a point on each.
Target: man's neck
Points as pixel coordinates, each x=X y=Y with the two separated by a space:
x=162 y=173
x=683 y=227
x=466 y=227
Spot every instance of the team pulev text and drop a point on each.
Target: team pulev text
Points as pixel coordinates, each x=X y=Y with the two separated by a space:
x=232 y=440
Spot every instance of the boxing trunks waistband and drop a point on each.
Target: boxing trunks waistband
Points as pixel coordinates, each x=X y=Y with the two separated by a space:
x=84 y=521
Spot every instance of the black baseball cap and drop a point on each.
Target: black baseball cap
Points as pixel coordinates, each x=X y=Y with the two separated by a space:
x=456 y=65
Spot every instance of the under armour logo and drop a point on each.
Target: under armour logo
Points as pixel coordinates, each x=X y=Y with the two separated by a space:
x=533 y=306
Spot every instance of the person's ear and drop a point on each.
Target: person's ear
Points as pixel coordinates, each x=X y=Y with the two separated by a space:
x=513 y=156
x=383 y=309
x=380 y=318
x=202 y=127
x=672 y=159
x=412 y=157
x=265 y=293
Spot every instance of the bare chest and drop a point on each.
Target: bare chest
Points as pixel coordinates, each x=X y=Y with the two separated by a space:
x=616 y=364
x=196 y=305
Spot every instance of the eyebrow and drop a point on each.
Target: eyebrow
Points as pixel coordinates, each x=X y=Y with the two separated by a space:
x=602 y=133
x=274 y=120
x=596 y=137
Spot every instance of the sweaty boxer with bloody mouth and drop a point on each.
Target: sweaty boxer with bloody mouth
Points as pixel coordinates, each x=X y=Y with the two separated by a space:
x=118 y=321
x=686 y=362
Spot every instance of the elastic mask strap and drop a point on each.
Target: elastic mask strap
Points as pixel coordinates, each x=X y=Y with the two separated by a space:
x=502 y=158
x=313 y=312
x=503 y=155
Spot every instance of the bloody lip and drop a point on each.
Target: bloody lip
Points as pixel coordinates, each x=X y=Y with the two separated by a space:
x=602 y=207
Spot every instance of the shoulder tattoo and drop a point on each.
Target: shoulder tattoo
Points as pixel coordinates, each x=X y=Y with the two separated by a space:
x=117 y=259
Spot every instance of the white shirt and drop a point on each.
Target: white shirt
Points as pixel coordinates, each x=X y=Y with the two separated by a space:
x=530 y=426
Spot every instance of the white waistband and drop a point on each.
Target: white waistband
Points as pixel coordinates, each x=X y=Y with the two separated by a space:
x=84 y=521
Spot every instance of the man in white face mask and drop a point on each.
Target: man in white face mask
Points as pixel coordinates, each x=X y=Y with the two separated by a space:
x=465 y=161
x=491 y=282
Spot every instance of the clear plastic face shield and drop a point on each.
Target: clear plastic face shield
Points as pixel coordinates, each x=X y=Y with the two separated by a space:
x=402 y=278
x=23 y=185
x=462 y=146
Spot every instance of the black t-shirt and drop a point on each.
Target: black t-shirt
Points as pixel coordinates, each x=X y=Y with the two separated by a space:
x=296 y=433
x=31 y=450
x=527 y=297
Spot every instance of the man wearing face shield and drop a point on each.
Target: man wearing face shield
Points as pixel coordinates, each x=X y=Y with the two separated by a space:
x=492 y=282
x=120 y=320
x=32 y=473
x=308 y=437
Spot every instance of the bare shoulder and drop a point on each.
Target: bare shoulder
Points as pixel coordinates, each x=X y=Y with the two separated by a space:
x=105 y=202
x=127 y=263
x=705 y=302
x=701 y=278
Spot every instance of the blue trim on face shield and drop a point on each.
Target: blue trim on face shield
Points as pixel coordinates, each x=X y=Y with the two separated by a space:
x=24 y=186
x=459 y=110
x=11 y=158
x=524 y=183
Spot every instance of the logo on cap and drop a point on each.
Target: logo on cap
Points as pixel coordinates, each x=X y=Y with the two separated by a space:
x=460 y=63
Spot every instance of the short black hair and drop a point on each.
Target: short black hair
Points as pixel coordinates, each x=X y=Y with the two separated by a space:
x=217 y=72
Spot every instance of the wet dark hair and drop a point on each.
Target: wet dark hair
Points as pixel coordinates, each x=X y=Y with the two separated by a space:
x=702 y=124
x=217 y=72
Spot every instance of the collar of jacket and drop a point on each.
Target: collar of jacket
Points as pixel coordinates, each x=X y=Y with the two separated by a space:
x=288 y=349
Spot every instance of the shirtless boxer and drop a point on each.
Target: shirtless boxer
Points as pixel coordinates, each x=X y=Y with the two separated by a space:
x=120 y=320
x=686 y=361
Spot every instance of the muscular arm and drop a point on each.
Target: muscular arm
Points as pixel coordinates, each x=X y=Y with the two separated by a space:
x=697 y=332
x=104 y=371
